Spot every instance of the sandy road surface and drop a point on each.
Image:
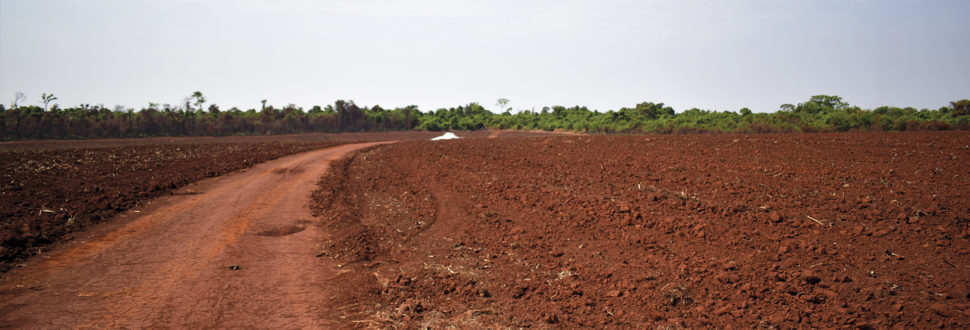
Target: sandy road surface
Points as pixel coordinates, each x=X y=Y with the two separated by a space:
x=172 y=263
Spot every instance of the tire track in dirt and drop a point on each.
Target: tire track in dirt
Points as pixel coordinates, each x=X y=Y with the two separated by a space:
x=448 y=217
x=240 y=254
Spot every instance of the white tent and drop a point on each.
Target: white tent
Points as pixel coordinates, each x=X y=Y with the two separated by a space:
x=446 y=136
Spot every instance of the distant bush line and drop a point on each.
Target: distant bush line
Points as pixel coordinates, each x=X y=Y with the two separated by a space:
x=821 y=113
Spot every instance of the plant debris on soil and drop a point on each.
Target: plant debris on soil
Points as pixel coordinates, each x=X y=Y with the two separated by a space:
x=866 y=230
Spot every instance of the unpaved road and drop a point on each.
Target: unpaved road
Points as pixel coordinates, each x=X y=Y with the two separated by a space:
x=234 y=251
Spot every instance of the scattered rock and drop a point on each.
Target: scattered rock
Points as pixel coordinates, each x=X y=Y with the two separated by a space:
x=774 y=216
x=777 y=318
x=828 y=294
x=484 y=293
x=551 y=318
x=810 y=277
x=960 y=292
x=410 y=306
x=728 y=278
x=940 y=309
x=678 y=296
x=519 y=291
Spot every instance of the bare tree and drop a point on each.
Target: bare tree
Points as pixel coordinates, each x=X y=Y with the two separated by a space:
x=17 y=97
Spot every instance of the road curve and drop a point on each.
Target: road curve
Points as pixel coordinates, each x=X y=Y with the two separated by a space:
x=229 y=252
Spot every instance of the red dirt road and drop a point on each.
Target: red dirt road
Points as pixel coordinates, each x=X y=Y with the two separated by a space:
x=234 y=251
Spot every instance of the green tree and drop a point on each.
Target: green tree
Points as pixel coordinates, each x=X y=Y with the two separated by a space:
x=653 y=110
x=829 y=101
x=821 y=104
x=47 y=99
x=502 y=104
x=961 y=107
x=199 y=99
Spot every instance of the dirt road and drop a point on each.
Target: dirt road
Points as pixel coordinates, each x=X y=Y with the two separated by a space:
x=234 y=251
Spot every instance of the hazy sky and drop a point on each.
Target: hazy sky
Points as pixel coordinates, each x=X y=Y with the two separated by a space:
x=720 y=55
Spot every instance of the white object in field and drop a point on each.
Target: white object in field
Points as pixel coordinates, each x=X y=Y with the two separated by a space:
x=446 y=136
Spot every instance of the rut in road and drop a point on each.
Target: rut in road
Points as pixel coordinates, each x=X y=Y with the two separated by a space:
x=236 y=251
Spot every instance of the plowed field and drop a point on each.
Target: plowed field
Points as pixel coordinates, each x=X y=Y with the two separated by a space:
x=864 y=230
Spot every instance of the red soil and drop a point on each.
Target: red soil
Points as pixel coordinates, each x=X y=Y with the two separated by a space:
x=864 y=230
x=233 y=251
x=238 y=252
x=53 y=187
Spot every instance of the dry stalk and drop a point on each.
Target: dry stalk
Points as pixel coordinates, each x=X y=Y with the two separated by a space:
x=816 y=220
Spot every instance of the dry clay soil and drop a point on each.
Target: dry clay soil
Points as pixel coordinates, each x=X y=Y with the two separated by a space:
x=52 y=188
x=853 y=230
x=234 y=251
x=863 y=230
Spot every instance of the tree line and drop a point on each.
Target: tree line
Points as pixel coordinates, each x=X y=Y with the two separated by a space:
x=818 y=114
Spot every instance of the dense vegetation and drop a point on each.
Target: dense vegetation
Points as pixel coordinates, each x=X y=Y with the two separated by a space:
x=819 y=113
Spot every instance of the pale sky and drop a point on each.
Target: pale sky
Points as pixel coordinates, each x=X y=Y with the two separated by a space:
x=604 y=54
